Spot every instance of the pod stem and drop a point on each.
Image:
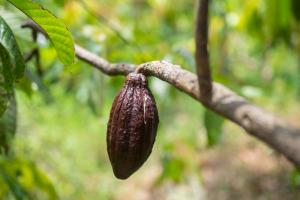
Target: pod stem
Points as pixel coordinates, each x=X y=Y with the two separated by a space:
x=139 y=69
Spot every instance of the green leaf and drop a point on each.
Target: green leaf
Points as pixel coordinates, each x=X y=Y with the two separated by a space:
x=17 y=190
x=11 y=66
x=278 y=18
x=6 y=79
x=58 y=33
x=60 y=2
x=213 y=124
x=295 y=178
x=25 y=180
x=8 y=124
x=296 y=8
x=173 y=169
x=8 y=41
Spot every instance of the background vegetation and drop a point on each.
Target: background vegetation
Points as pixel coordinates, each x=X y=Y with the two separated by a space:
x=59 y=151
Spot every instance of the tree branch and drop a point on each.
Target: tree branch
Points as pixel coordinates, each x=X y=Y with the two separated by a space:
x=272 y=130
x=202 y=55
x=102 y=64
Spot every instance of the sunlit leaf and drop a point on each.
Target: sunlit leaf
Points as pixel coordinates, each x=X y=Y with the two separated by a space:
x=60 y=2
x=278 y=17
x=55 y=28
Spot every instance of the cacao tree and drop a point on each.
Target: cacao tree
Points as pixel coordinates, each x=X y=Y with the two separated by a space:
x=196 y=59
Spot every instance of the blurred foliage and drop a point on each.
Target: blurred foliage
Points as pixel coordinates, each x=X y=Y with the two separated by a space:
x=62 y=114
x=213 y=124
x=24 y=180
x=295 y=178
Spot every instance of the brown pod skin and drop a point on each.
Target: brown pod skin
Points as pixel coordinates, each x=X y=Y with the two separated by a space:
x=132 y=126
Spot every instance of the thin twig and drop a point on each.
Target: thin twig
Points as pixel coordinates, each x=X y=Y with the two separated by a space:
x=37 y=55
x=202 y=54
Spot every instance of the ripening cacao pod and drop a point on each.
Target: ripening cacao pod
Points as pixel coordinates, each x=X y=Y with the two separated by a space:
x=132 y=126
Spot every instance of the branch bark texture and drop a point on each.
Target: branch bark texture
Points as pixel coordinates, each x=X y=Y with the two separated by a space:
x=274 y=131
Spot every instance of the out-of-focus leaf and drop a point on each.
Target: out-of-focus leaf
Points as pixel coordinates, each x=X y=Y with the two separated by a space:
x=278 y=18
x=213 y=124
x=39 y=85
x=25 y=180
x=16 y=189
x=60 y=2
x=8 y=124
x=55 y=28
x=296 y=8
x=251 y=91
x=8 y=42
x=24 y=84
x=89 y=94
x=295 y=178
x=173 y=169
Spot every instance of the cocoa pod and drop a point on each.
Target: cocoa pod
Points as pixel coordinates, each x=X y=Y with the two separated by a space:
x=132 y=126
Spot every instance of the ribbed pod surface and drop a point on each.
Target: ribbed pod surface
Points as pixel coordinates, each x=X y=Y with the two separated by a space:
x=132 y=126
